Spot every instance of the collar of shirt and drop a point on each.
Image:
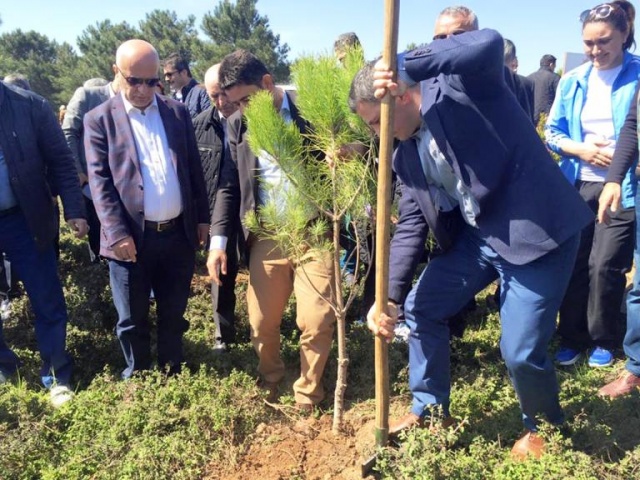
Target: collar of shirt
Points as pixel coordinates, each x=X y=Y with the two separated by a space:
x=285 y=109
x=135 y=110
x=112 y=92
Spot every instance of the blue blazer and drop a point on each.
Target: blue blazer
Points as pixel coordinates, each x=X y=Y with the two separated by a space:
x=114 y=171
x=527 y=208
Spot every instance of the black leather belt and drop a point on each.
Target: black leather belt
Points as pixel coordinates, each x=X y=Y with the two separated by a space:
x=162 y=226
x=9 y=211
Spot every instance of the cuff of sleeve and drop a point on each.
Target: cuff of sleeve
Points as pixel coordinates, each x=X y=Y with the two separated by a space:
x=402 y=71
x=218 y=242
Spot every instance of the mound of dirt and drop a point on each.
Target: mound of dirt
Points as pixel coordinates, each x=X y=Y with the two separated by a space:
x=304 y=448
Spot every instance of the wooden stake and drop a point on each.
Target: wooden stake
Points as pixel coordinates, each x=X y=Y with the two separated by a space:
x=390 y=47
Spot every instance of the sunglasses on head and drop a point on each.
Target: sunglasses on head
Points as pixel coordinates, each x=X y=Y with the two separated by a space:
x=598 y=13
x=136 y=81
x=442 y=36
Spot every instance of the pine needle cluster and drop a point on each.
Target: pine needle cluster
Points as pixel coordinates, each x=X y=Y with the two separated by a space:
x=323 y=192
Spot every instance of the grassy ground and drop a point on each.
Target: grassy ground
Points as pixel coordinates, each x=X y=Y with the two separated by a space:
x=211 y=421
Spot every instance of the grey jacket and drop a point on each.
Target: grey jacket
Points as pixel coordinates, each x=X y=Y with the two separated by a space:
x=82 y=101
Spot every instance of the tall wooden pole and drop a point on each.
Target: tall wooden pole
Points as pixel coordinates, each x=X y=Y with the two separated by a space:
x=390 y=47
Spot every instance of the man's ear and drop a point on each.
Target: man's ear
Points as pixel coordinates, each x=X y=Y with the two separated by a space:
x=405 y=98
x=267 y=82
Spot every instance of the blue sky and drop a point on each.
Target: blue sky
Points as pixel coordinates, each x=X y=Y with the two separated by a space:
x=310 y=26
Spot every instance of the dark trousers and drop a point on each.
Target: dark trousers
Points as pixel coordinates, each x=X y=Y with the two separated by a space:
x=39 y=274
x=590 y=314
x=94 y=227
x=225 y=295
x=165 y=262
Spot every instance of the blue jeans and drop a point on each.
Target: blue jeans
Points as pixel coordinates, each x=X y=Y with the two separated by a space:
x=39 y=273
x=530 y=298
x=632 y=338
x=165 y=263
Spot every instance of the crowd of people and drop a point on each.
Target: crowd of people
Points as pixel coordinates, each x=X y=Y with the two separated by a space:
x=151 y=178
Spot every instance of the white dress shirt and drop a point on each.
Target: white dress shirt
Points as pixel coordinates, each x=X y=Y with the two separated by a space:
x=162 y=198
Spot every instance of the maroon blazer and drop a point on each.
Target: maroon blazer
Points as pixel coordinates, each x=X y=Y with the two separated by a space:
x=115 y=178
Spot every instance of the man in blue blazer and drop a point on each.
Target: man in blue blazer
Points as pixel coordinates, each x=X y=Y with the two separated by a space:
x=149 y=193
x=478 y=177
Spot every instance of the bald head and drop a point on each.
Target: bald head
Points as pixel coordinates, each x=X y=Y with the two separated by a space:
x=216 y=94
x=211 y=76
x=134 y=52
x=136 y=69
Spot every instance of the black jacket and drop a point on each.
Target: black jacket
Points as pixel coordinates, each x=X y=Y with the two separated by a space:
x=210 y=138
x=545 y=84
x=39 y=161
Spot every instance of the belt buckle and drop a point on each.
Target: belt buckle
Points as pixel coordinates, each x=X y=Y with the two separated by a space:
x=162 y=226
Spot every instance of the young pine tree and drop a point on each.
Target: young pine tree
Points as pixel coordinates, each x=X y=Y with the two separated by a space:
x=330 y=178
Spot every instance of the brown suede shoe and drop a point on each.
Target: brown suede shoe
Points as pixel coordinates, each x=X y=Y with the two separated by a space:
x=531 y=444
x=411 y=420
x=623 y=385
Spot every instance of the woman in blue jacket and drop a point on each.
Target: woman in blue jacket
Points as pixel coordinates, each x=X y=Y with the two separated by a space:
x=584 y=123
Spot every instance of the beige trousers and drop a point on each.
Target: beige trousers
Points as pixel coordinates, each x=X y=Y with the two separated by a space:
x=272 y=279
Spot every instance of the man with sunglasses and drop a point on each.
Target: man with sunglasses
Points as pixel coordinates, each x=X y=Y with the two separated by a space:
x=149 y=193
x=184 y=87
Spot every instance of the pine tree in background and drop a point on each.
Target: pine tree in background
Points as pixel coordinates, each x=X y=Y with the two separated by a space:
x=330 y=171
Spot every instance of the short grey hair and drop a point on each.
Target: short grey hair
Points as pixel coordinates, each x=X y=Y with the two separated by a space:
x=509 y=51
x=17 y=80
x=362 y=87
x=462 y=11
x=95 y=82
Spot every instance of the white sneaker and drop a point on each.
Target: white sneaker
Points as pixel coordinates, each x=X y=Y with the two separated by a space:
x=59 y=395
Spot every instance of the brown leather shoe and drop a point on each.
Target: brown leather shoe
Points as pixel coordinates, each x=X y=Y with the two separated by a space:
x=623 y=385
x=411 y=420
x=531 y=444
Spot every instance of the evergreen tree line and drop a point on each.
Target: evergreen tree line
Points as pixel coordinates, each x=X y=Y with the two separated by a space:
x=55 y=69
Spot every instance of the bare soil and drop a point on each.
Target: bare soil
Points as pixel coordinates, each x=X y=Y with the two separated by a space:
x=305 y=448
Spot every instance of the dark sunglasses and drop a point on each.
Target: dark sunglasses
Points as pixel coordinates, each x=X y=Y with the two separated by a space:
x=442 y=36
x=598 y=13
x=136 y=81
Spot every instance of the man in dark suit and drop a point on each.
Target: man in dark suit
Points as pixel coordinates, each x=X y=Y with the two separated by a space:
x=253 y=181
x=83 y=100
x=213 y=143
x=523 y=87
x=147 y=187
x=34 y=161
x=545 y=83
x=476 y=174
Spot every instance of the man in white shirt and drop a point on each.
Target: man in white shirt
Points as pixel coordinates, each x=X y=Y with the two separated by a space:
x=149 y=193
x=246 y=183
